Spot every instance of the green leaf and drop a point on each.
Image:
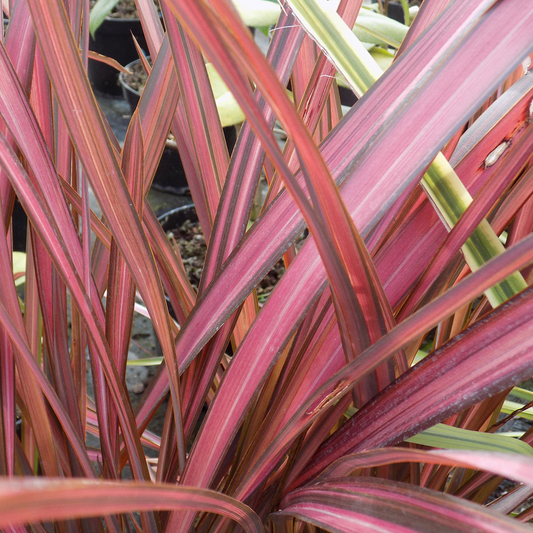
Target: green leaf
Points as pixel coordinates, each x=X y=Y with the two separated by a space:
x=99 y=12
x=150 y=361
x=510 y=407
x=450 y=437
x=257 y=13
x=30 y=500
x=19 y=265
x=372 y=27
x=229 y=110
x=522 y=394
x=339 y=44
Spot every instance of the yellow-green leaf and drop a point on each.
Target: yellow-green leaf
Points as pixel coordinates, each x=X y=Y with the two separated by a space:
x=257 y=13
x=19 y=265
x=510 y=407
x=452 y=438
x=372 y=27
x=228 y=109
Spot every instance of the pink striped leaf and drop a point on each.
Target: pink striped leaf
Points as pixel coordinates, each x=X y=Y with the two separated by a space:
x=466 y=370
x=429 y=11
x=38 y=377
x=151 y=24
x=499 y=123
x=339 y=385
x=258 y=251
x=370 y=504
x=517 y=467
x=234 y=209
x=49 y=234
x=108 y=61
x=20 y=47
x=156 y=107
x=341 y=247
x=376 y=175
x=201 y=112
x=244 y=172
x=100 y=164
x=307 y=280
x=29 y=500
x=22 y=124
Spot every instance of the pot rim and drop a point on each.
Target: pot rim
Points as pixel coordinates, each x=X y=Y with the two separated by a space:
x=123 y=82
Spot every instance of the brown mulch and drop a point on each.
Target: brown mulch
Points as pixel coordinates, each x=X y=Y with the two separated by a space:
x=125 y=9
x=192 y=246
x=137 y=79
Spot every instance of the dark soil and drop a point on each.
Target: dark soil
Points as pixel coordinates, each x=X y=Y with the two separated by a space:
x=137 y=79
x=125 y=9
x=192 y=246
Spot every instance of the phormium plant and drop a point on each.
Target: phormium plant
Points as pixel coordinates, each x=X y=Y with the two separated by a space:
x=364 y=395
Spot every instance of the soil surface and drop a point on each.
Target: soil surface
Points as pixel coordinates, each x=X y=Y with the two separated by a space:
x=192 y=247
x=137 y=79
x=125 y=9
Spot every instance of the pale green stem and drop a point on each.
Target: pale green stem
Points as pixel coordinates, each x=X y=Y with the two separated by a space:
x=451 y=199
x=406 y=16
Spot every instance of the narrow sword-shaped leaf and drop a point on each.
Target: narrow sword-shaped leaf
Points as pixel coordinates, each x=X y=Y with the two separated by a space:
x=235 y=205
x=440 y=182
x=429 y=11
x=73 y=92
x=509 y=112
x=281 y=218
x=201 y=112
x=505 y=172
x=407 y=331
x=344 y=255
x=151 y=23
x=31 y=394
x=20 y=47
x=376 y=504
x=49 y=234
x=157 y=106
x=243 y=174
x=472 y=383
x=356 y=191
x=32 y=500
x=516 y=467
x=40 y=378
x=454 y=438
x=121 y=289
x=20 y=120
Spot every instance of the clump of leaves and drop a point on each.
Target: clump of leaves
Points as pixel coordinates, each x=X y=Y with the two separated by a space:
x=320 y=418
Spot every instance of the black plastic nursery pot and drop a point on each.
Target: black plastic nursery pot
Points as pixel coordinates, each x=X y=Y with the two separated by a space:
x=170 y=176
x=113 y=39
x=176 y=217
x=173 y=219
x=19 y=227
x=347 y=96
x=395 y=11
